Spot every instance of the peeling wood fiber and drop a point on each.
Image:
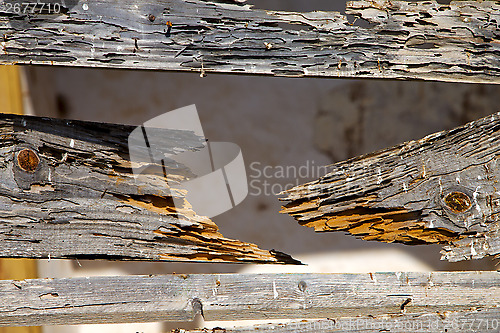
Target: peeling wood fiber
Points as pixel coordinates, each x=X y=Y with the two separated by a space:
x=68 y=191
x=244 y=296
x=440 y=189
x=406 y=40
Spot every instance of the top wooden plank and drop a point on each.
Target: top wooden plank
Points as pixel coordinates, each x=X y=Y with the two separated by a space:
x=406 y=40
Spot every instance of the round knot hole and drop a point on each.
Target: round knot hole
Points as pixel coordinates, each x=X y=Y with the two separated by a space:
x=28 y=160
x=458 y=202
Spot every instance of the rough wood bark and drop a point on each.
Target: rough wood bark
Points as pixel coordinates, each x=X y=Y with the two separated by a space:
x=73 y=195
x=440 y=189
x=478 y=321
x=407 y=40
x=242 y=296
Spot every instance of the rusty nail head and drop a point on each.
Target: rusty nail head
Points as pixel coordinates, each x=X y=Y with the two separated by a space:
x=458 y=202
x=151 y=17
x=28 y=160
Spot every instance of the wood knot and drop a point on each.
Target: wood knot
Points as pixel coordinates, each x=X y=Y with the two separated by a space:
x=458 y=202
x=28 y=160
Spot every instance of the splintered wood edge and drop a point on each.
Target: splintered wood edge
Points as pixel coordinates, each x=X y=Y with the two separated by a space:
x=348 y=198
x=82 y=200
x=391 y=226
x=205 y=231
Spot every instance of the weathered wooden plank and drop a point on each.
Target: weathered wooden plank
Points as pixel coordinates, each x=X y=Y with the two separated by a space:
x=242 y=296
x=407 y=40
x=440 y=189
x=484 y=320
x=68 y=191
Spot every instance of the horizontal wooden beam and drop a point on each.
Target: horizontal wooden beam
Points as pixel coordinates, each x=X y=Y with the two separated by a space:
x=243 y=296
x=479 y=321
x=69 y=191
x=404 y=40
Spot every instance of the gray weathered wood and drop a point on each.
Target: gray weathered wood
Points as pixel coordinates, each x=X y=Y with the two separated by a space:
x=483 y=320
x=407 y=40
x=242 y=296
x=83 y=201
x=440 y=189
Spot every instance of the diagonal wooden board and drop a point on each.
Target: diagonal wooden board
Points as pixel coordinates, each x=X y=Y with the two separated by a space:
x=245 y=296
x=439 y=189
x=404 y=40
x=76 y=196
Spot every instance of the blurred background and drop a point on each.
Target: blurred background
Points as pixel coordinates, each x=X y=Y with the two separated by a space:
x=279 y=123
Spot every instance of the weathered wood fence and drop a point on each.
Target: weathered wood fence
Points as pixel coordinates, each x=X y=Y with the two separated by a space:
x=67 y=188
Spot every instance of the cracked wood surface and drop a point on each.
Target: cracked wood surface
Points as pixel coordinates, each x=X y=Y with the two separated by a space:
x=243 y=296
x=406 y=40
x=68 y=191
x=484 y=320
x=439 y=189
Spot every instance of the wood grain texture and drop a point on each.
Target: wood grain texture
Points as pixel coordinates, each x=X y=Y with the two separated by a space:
x=484 y=321
x=440 y=189
x=18 y=269
x=242 y=296
x=11 y=97
x=82 y=200
x=406 y=40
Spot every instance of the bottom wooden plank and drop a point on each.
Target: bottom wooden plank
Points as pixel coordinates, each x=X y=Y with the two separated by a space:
x=241 y=296
x=485 y=320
